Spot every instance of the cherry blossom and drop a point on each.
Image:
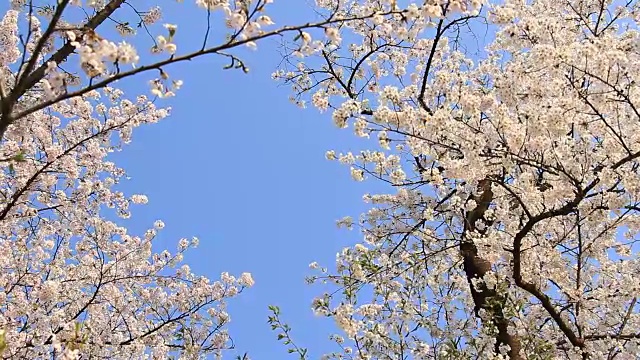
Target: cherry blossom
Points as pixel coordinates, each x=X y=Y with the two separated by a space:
x=510 y=228
x=75 y=284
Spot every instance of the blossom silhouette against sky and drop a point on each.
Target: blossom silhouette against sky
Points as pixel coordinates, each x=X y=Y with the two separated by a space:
x=243 y=169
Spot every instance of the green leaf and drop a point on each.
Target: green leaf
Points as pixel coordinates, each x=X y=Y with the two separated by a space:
x=3 y=341
x=19 y=157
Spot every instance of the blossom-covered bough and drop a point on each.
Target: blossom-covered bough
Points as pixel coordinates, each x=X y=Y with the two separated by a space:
x=512 y=230
x=73 y=282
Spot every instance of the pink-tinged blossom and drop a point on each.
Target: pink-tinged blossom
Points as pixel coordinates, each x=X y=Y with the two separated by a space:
x=510 y=226
x=76 y=277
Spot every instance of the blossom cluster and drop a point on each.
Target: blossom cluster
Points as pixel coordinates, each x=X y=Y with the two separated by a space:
x=510 y=229
x=76 y=284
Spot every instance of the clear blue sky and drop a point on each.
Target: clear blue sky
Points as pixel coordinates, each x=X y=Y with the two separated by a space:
x=243 y=169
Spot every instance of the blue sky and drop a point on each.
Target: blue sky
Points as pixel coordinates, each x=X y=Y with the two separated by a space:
x=243 y=169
